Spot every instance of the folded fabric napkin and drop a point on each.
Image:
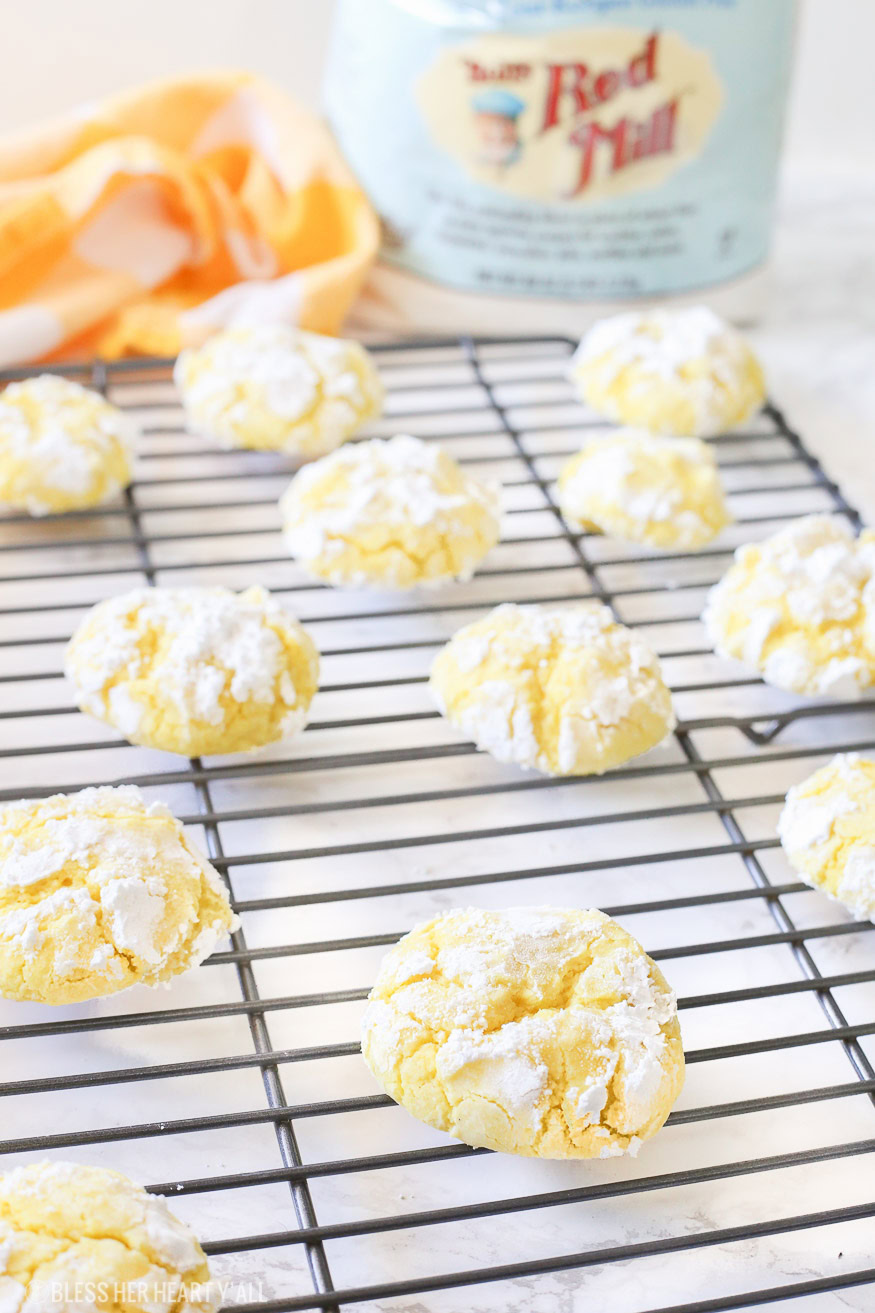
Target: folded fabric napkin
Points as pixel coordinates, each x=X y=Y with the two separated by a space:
x=144 y=223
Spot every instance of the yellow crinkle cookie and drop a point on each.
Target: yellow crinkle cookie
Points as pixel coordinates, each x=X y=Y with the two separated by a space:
x=634 y=485
x=538 y=1030
x=800 y=607
x=670 y=371
x=194 y=670
x=827 y=830
x=74 y=1237
x=99 y=891
x=392 y=513
x=278 y=389
x=563 y=689
x=62 y=447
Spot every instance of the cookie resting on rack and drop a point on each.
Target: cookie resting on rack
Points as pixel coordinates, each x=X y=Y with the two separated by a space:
x=565 y=690
x=195 y=671
x=633 y=485
x=800 y=608
x=391 y=513
x=540 y=1031
x=682 y=372
x=827 y=830
x=62 y=447
x=67 y=1229
x=277 y=388
x=99 y=891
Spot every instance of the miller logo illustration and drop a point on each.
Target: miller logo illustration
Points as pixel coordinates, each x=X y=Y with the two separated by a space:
x=572 y=115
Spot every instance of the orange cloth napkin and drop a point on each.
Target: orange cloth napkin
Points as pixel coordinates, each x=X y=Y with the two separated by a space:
x=143 y=224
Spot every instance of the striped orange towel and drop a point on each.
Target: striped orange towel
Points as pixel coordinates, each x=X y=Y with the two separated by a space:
x=145 y=223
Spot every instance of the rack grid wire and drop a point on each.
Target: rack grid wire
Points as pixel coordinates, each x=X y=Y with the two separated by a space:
x=241 y=1094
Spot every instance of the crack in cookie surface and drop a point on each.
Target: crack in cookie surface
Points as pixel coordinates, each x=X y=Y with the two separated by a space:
x=539 y=1031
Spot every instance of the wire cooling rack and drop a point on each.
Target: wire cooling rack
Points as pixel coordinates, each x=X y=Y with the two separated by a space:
x=240 y=1093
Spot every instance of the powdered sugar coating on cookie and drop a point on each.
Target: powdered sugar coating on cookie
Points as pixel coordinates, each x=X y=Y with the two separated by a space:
x=278 y=388
x=682 y=372
x=827 y=830
x=391 y=513
x=99 y=891
x=636 y=486
x=194 y=670
x=564 y=689
x=63 y=447
x=538 y=1031
x=65 y=1227
x=800 y=607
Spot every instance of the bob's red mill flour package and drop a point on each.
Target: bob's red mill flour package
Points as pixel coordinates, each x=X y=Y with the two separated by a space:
x=536 y=163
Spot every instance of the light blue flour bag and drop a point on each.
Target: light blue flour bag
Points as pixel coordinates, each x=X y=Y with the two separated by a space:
x=556 y=158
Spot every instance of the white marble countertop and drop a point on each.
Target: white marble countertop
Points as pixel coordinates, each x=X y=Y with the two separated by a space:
x=818 y=336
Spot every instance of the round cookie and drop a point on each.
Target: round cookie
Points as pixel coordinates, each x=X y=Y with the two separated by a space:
x=277 y=388
x=827 y=830
x=536 y=1030
x=67 y=1231
x=661 y=492
x=565 y=689
x=62 y=447
x=684 y=372
x=800 y=607
x=100 y=891
x=196 y=671
x=390 y=513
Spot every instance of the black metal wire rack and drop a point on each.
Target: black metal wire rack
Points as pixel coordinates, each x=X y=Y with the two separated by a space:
x=240 y=1094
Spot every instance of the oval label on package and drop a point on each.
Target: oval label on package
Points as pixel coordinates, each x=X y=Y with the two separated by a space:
x=574 y=115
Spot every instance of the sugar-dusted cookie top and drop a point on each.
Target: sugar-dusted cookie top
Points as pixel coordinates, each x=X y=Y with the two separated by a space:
x=642 y=488
x=278 y=388
x=800 y=607
x=563 y=689
x=194 y=670
x=100 y=890
x=390 y=514
x=68 y=1230
x=62 y=446
x=537 y=1030
x=684 y=372
x=827 y=830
